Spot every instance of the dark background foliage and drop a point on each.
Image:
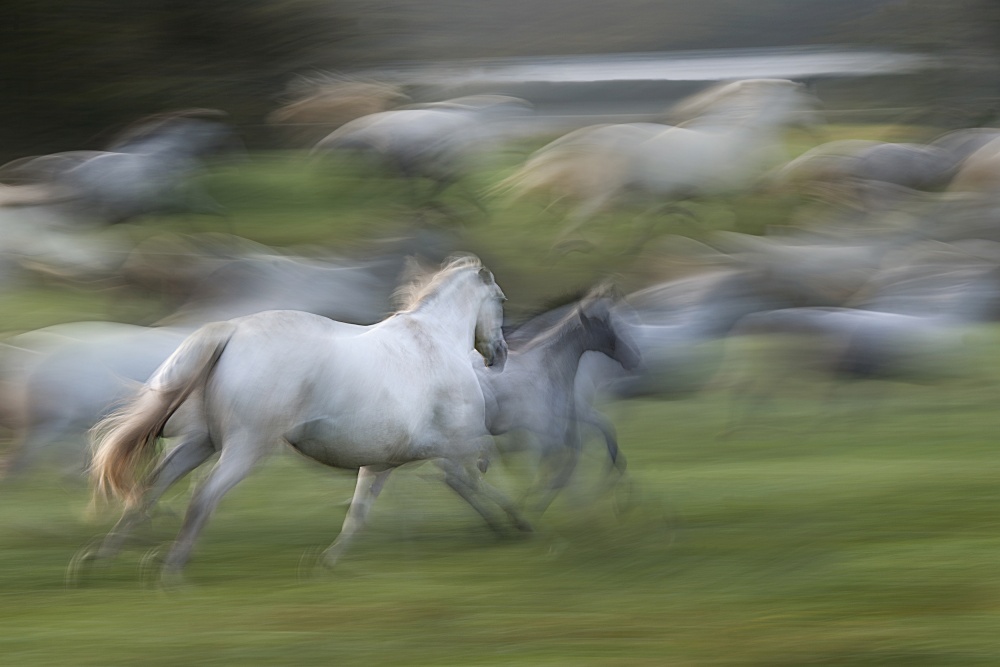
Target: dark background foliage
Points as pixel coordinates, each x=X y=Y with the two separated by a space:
x=72 y=71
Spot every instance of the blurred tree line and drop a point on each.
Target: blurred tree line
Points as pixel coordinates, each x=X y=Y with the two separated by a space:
x=74 y=70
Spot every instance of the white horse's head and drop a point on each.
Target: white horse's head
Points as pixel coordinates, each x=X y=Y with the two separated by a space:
x=461 y=286
x=489 y=332
x=767 y=102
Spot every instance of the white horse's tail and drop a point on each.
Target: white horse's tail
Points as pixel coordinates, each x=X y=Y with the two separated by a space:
x=123 y=442
x=579 y=165
x=558 y=172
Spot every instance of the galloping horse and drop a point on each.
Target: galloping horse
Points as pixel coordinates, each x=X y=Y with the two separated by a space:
x=320 y=105
x=371 y=398
x=145 y=170
x=535 y=393
x=433 y=141
x=736 y=132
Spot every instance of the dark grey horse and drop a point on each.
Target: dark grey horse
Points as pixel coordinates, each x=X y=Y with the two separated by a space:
x=534 y=394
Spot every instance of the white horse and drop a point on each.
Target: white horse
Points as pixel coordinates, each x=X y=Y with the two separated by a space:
x=910 y=324
x=63 y=389
x=736 y=132
x=371 y=398
x=435 y=141
x=319 y=105
x=146 y=170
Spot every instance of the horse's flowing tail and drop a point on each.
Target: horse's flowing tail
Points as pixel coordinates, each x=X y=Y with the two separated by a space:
x=123 y=442
x=546 y=170
x=565 y=171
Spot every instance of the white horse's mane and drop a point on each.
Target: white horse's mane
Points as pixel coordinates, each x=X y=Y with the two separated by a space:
x=421 y=284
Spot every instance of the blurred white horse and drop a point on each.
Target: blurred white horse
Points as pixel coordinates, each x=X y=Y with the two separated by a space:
x=319 y=105
x=61 y=380
x=735 y=133
x=910 y=324
x=146 y=170
x=433 y=141
x=369 y=398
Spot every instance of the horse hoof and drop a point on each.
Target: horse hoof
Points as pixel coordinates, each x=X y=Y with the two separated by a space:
x=80 y=565
x=151 y=568
x=328 y=559
x=625 y=498
x=311 y=565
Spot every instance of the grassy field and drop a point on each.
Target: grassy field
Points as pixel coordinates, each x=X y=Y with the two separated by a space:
x=862 y=533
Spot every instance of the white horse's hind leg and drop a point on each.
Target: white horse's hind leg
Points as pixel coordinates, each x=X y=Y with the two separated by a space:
x=181 y=460
x=239 y=456
x=370 y=483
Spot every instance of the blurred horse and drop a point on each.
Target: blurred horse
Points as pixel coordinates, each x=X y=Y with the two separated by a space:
x=980 y=172
x=321 y=105
x=354 y=291
x=63 y=379
x=147 y=169
x=436 y=141
x=367 y=398
x=960 y=144
x=867 y=174
x=860 y=173
x=908 y=324
x=736 y=131
x=534 y=394
x=677 y=327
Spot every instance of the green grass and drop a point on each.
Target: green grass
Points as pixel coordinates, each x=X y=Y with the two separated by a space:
x=859 y=533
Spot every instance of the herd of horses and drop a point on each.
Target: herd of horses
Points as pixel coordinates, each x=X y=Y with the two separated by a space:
x=373 y=363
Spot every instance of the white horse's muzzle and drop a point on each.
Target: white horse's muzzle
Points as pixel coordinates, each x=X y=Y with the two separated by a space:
x=496 y=356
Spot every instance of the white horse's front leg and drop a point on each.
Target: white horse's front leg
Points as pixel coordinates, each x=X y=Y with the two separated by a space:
x=370 y=483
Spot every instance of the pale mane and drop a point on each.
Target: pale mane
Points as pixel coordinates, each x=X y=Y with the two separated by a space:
x=724 y=95
x=420 y=284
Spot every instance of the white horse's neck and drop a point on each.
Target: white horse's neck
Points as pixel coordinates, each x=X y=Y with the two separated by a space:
x=452 y=310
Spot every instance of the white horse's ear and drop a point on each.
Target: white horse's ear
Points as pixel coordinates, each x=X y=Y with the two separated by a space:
x=486 y=275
